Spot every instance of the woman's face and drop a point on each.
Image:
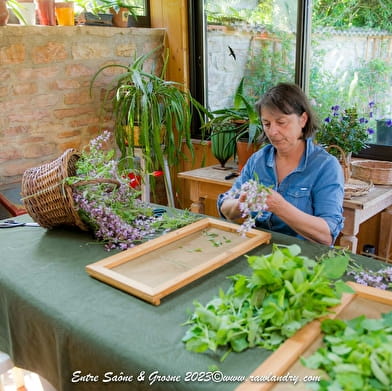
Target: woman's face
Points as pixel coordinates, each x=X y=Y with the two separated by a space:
x=284 y=131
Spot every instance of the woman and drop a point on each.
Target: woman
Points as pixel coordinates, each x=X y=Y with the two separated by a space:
x=307 y=182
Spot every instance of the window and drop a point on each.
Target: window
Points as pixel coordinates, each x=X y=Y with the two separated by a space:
x=281 y=40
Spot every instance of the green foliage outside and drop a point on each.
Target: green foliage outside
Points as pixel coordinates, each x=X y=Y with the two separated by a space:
x=344 y=14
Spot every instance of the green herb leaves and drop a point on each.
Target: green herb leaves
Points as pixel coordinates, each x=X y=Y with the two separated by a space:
x=357 y=354
x=284 y=292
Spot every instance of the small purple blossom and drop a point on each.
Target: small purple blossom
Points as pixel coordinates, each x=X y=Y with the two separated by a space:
x=381 y=279
x=370 y=130
x=388 y=123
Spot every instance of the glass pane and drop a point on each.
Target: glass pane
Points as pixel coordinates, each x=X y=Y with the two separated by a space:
x=254 y=40
x=351 y=63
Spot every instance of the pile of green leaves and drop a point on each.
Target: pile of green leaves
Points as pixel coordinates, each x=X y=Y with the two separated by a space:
x=357 y=354
x=284 y=292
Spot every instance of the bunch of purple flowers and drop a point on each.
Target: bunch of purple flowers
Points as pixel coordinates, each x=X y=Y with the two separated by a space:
x=381 y=278
x=254 y=205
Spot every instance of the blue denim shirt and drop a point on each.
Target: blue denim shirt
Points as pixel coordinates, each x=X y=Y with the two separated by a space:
x=316 y=187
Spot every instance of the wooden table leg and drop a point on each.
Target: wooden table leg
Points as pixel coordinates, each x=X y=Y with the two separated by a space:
x=385 y=240
x=198 y=206
x=350 y=231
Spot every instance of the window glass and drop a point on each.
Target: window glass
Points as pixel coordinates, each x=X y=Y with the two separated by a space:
x=254 y=40
x=351 y=63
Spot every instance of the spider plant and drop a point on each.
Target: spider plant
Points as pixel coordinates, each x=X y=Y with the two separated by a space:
x=159 y=111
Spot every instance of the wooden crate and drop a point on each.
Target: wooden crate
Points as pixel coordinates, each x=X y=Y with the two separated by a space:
x=163 y=265
x=366 y=301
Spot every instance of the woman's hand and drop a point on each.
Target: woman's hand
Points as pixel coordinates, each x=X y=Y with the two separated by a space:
x=231 y=207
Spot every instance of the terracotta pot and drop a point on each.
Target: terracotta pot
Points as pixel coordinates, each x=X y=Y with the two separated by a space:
x=46 y=14
x=4 y=15
x=244 y=152
x=120 y=18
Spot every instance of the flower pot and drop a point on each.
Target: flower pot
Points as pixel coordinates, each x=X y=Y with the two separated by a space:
x=223 y=145
x=46 y=14
x=120 y=18
x=65 y=13
x=4 y=15
x=384 y=132
x=28 y=11
x=244 y=152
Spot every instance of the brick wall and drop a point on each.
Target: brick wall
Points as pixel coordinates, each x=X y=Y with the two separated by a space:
x=45 y=75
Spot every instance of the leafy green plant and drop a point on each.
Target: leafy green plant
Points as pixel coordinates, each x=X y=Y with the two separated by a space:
x=16 y=7
x=157 y=110
x=346 y=129
x=242 y=115
x=356 y=355
x=352 y=13
x=284 y=292
x=96 y=7
x=117 y=4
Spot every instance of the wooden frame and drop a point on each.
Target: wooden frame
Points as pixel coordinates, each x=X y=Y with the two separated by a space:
x=286 y=357
x=151 y=270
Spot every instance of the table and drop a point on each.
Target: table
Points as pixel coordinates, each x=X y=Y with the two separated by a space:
x=56 y=320
x=208 y=183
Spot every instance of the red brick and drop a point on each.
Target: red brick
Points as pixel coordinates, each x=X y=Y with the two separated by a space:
x=33 y=150
x=84 y=120
x=76 y=70
x=67 y=113
x=51 y=52
x=68 y=134
x=13 y=54
x=47 y=72
x=80 y=97
x=33 y=115
x=15 y=131
x=66 y=84
x=25 y=89
x=70 y=144
x=5 y=74
x=4 y=91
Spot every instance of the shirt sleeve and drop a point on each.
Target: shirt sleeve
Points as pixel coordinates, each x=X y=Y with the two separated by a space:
x=328 y=195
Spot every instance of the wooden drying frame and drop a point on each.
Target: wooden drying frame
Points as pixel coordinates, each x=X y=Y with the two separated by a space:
x=280 y=362
x=108 y=269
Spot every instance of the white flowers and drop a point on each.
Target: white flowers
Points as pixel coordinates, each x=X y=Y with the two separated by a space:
x=254 y=204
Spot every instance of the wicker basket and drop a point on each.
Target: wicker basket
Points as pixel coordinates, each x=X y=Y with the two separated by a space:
x=378 y=172
x=356 y=188
x=46 y=197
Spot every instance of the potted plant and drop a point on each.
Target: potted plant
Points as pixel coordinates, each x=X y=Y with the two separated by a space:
x=345 y=132
x=121 y=10
x=150 y=113
x=95 y=13
x=243 y=117
x=15 y=7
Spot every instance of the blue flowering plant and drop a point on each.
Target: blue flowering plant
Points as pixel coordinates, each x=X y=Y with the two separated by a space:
x=347 y=129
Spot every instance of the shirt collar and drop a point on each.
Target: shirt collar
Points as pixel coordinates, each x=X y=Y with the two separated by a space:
x=309 y=148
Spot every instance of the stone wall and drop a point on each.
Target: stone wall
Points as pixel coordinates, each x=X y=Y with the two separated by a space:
x=45 y=75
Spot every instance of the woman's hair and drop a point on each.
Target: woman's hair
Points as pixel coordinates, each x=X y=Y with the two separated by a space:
x=288 y=98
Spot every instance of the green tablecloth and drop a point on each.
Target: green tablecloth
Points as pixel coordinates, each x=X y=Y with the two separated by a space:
x=55 y=319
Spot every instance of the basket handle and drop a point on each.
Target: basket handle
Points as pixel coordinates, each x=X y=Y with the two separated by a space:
x=344 y=160
x=97 y=181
